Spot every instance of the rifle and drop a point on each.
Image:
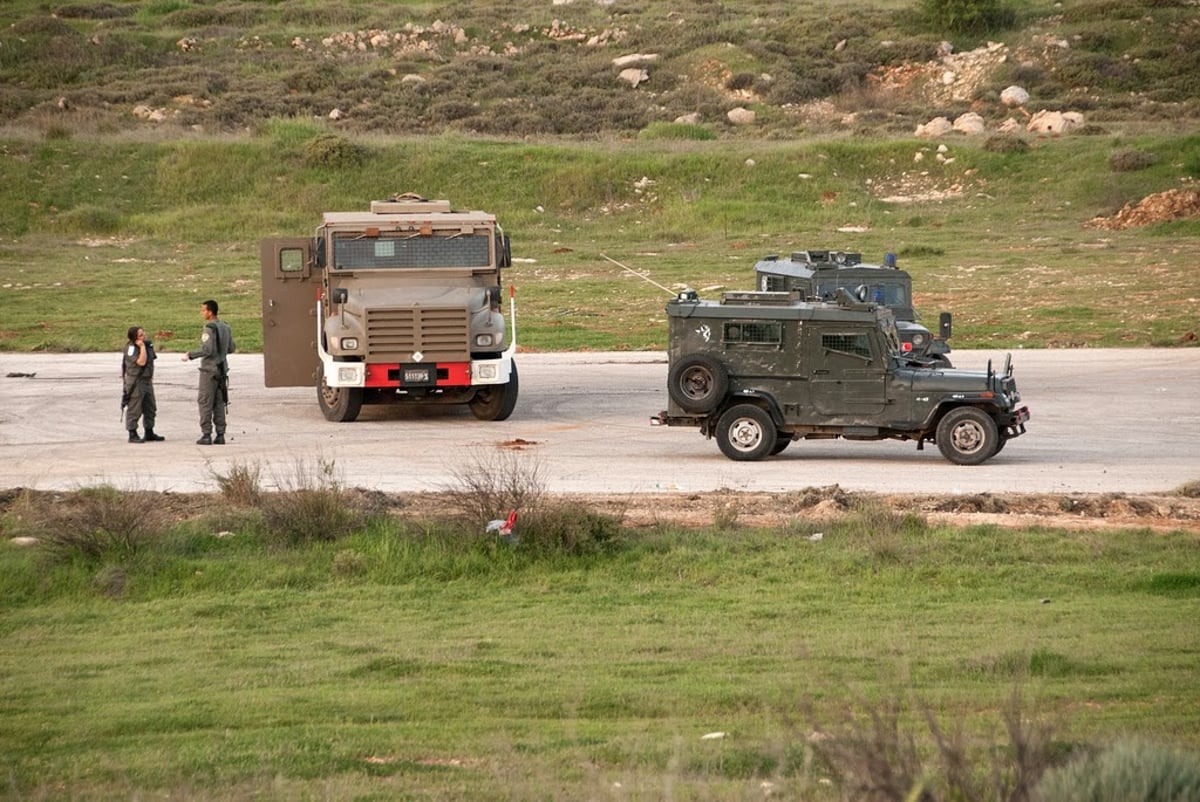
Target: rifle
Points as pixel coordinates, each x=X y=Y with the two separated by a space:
x=223 y=381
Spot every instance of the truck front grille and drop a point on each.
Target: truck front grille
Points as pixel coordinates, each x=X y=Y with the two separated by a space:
x=439 y=334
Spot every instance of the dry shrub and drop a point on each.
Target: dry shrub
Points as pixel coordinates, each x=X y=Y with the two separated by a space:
x=568 y=528
x=93 y=524
x=1131 y=768
x=1005 y=143
x=240 y=485
x=310 y=506
x=494 y=483
x=880 y=755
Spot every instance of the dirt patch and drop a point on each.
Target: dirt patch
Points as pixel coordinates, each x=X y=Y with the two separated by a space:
x=1165 y=512
x=1174 y=204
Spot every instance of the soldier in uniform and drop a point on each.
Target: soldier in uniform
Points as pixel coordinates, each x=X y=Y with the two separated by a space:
x=137 y=371
x=216 y=341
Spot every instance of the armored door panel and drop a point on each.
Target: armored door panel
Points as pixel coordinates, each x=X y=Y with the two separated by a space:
x=847 y=374
x=289 y=312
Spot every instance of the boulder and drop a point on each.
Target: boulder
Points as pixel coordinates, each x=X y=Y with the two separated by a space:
x=741 y=116
x=1055 y=122
x=969 y=123
x=1014 y=96
x=938 y=126
x=633 y=76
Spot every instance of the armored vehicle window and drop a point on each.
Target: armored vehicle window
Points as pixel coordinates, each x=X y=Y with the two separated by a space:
x=291 y=260
x=853 y=343
x=769 y=332
x=357 y=252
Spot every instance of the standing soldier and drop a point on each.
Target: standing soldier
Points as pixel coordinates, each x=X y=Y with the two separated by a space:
x=137 y=371
x=216 y=341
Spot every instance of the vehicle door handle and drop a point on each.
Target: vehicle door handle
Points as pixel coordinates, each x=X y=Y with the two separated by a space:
x=820 y=373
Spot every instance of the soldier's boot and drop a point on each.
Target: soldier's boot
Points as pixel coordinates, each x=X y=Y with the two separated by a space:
x=219 y=440
x=133 y=437
x=151 y=437
x=205 y=440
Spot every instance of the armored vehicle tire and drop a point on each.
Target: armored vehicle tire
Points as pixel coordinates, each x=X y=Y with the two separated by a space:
x=746 y=433
x=697 y=383
x=496 y=401
x=968 y=436
x=339 y=404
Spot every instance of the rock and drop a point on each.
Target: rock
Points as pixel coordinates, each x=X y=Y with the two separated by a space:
x=741 y=116
x=1009 y=126
x=691 y=118
x=634 y=59
x=969 y=123
x=938 y=126
x=1014 y=96
x=633 y=76
x=412 y=79
x=336 y=114
x=1055 y=122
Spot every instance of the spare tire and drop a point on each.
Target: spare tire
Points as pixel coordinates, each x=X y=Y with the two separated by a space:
x=698 y=383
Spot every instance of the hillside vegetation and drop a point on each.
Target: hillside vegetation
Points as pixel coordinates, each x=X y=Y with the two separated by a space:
x=148 y=146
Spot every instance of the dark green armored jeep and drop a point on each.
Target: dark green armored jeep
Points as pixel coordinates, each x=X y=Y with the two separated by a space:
x=758 y=370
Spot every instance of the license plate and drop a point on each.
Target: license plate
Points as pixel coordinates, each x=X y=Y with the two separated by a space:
x=417 y=376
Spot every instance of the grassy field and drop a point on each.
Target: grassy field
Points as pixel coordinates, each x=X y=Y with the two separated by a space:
x=108 y=233
x=415 y=659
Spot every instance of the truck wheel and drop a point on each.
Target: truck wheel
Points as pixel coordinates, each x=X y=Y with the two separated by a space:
x=339 y=404
x=697 y=383
x=967 y=436
x=746 y=432
x=496 y=401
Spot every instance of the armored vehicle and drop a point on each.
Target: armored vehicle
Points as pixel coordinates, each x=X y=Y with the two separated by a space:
x=820 y=274
x=401 y=303
x=758 y=370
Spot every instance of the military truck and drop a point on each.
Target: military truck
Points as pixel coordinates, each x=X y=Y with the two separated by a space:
x=398 y=304
x=757 y=370
x=819 y=274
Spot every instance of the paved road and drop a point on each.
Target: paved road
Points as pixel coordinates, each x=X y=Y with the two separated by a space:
x=1103 y=421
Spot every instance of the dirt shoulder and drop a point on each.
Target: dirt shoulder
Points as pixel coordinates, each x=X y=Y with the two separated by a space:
x=1106 y=511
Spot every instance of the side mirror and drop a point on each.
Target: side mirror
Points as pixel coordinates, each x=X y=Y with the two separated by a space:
x=944 y=325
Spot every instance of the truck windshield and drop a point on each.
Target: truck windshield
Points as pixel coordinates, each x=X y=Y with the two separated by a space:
x=358 y=252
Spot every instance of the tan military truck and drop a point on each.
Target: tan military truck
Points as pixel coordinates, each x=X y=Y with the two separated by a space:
x=398 y=304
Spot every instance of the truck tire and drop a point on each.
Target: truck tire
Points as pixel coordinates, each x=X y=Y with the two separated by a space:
x=968 y=436
x=338 y=404
x=746 y=433
x=496 y=401
x=697 y=383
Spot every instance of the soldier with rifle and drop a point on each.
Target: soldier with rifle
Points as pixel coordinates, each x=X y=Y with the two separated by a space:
x=216 y=342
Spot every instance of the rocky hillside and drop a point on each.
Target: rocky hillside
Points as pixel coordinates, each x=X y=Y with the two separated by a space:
x=587 y=67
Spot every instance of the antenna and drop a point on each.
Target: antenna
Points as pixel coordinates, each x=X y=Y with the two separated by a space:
x=643 y=277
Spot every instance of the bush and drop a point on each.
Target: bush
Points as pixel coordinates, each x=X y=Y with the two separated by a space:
x=90 y=219
x=312 y=507
x=1128 y=160
x=1129 y=769
x=1005 y=143
x=567 y=528
x=331 y=150
x=240 y=486
x=966 y=17
x=94 y=524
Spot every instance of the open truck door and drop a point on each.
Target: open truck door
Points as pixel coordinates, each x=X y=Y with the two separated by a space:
x=289 y=312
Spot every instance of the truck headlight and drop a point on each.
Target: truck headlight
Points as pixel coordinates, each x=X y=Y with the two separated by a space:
x=349 y=343
x=483 y=340
x=918 y=340
x=486 y=371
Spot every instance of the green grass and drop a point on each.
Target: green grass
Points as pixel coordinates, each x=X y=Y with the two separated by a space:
x=433 y=665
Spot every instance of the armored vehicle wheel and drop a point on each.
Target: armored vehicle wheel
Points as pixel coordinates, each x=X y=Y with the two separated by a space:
x=340 y=404
x=746 y=432
x=496 y=401
x=782 y=442
x=697 y=383
x=967 y=436
x=941 y=361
